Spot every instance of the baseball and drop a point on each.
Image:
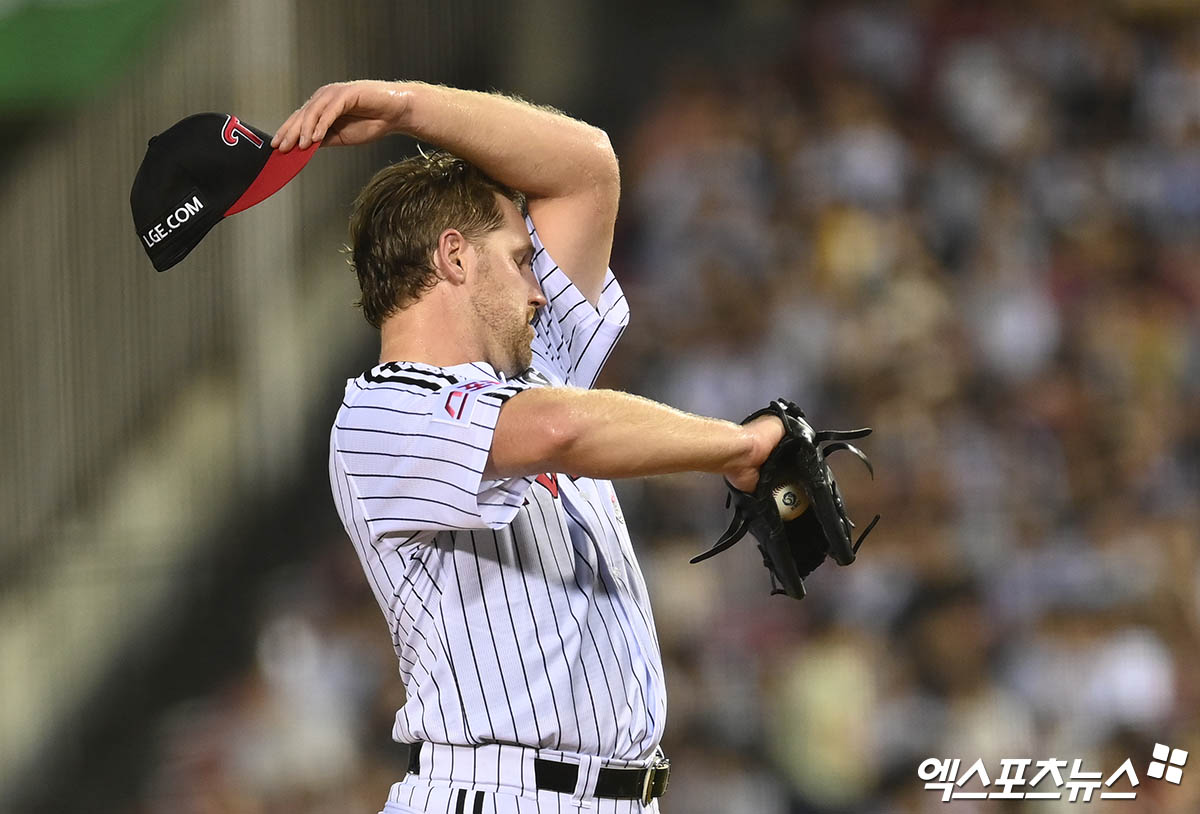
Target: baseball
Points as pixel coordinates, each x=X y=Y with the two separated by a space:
x=791 y=501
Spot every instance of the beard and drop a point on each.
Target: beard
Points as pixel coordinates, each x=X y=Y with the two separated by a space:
x=519 y=349
x=504 y=323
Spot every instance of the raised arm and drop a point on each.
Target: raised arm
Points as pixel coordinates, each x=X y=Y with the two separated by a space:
x=566 y=168
x=608 y=434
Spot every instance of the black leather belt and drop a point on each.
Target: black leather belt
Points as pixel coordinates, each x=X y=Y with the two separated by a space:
x=612 y=784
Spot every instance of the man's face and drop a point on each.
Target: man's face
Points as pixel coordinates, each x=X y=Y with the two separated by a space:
x=506 y=295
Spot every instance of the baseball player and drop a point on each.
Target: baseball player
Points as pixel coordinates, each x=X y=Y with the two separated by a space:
x=471 y=467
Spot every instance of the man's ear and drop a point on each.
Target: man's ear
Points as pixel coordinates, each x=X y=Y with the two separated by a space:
x=450 y=255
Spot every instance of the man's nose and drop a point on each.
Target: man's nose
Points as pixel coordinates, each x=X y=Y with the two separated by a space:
x=537 y=297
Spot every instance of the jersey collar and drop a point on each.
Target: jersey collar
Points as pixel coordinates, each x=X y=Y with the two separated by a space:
x=471 y=370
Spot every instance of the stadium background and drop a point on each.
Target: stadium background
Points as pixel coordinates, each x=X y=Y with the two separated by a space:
x=971 y=226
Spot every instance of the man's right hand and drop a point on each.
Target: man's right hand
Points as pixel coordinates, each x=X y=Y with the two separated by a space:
x=345 y=113
x=766 y=432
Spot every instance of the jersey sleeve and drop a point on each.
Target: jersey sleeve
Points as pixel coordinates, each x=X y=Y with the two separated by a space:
x=574 y=338
x=410 y=457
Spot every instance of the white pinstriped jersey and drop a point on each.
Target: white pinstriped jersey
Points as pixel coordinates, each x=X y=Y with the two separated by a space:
x=517 y=607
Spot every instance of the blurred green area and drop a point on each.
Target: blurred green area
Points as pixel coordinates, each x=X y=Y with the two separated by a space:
x=53 y=53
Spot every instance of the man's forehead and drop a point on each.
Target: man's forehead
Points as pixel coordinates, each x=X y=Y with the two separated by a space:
x=513 y=229
x=509 y=210
x=513 y=236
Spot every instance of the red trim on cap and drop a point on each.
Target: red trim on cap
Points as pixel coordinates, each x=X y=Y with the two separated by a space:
x=279 y=169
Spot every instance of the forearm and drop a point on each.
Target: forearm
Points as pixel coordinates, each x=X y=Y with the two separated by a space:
x=540 y=152
x=609 y=434
x=566 y=168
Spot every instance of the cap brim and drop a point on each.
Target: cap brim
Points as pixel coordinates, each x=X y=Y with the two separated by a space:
x=279 y=169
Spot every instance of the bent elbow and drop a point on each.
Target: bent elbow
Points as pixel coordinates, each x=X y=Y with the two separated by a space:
x=606 y=176
x=608 y=155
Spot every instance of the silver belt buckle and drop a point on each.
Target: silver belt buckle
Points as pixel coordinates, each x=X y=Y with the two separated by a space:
x=660 y=764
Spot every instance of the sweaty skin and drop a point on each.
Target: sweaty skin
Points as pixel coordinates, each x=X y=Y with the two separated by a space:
x=478 y=498
x=573 y=188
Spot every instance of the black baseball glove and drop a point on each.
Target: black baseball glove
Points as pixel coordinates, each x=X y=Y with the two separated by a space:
x=793 y=549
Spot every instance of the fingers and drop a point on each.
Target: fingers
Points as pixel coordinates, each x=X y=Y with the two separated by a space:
x=331 y=114
x=323 y=100
x=288 y=133
x=281 y=139
x=342 y=113
x=308 y=124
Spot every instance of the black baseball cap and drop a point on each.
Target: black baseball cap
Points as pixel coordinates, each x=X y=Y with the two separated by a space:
x=200 y=170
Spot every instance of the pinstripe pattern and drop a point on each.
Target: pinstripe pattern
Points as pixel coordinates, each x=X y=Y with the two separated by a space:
x=517 y=608
x=420 y=798
x=573 y=339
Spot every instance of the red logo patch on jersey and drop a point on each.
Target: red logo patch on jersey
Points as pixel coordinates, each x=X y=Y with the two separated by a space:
x=459 y=402
x=550 y=481
x=456 y=400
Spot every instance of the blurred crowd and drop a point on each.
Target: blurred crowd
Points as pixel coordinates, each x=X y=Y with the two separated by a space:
x=975 y=228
